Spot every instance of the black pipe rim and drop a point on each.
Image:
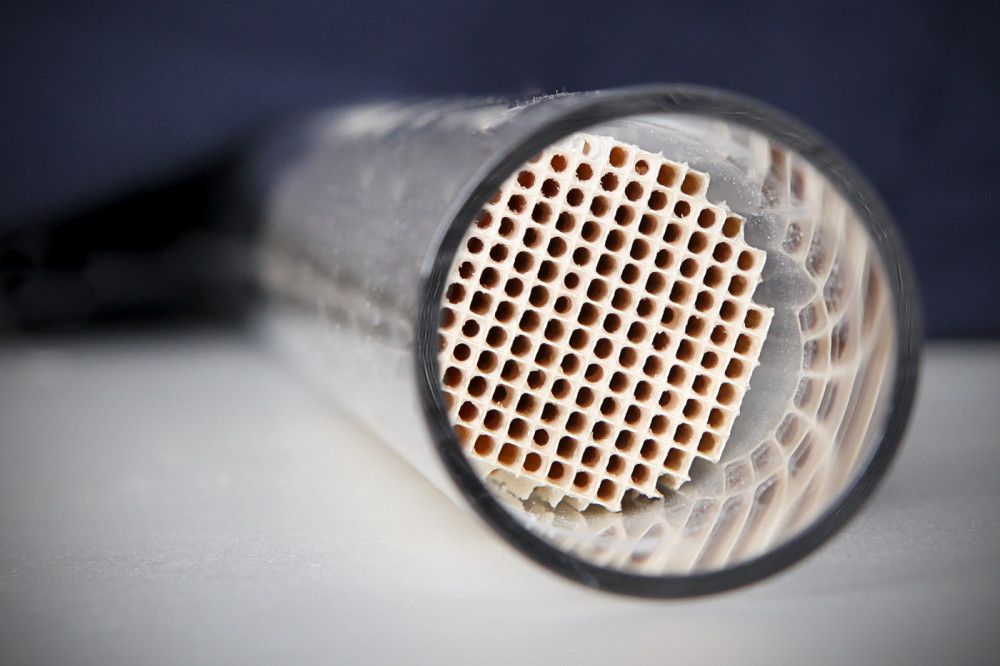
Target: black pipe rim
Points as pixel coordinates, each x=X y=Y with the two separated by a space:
x=595 y=108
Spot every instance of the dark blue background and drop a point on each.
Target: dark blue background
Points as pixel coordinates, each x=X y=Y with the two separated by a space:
x=104 y=97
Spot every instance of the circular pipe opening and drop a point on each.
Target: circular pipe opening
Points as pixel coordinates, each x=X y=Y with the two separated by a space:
x=729 y=239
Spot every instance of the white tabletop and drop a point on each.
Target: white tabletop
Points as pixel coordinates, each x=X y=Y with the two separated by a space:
x=180 y=498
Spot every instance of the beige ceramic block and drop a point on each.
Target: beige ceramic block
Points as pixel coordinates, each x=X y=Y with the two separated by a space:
x=599 y=332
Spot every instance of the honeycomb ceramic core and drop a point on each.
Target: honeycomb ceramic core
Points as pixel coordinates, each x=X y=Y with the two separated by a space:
x=599 y=331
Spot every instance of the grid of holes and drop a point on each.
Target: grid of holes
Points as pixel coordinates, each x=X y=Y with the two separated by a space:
x=599 y=332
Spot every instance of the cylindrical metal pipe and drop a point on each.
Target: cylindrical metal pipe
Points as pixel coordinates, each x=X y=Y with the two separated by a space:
x=367 y=213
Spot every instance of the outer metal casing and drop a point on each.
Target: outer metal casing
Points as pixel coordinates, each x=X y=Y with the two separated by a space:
x=362 y=212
